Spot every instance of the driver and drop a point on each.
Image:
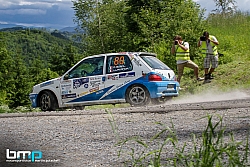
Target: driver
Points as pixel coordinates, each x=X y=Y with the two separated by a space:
x=99 y=69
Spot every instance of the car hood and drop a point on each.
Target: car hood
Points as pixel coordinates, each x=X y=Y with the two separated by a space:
x=49 y=82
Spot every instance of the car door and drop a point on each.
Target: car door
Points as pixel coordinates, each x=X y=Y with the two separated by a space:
x=119 y=72
x=82 y=82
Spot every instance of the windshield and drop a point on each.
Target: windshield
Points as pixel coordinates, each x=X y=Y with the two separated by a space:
x=155 y=63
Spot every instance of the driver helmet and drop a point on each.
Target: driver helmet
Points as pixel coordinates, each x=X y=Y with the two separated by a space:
x=100 y=64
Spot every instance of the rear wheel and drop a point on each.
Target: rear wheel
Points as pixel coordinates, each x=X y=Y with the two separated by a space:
x=79 y=107
x=160 y=100
x=137 y=95
x=48 y=101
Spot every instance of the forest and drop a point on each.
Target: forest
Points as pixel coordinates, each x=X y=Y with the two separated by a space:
x=29 y=56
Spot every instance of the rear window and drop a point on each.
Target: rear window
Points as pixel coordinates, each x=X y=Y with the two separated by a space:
x=118 y=63
x=154 y=63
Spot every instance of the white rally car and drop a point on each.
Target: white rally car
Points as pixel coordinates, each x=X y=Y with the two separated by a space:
x=137 y=78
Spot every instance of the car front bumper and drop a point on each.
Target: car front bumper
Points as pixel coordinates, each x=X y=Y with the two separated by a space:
x=33 y=99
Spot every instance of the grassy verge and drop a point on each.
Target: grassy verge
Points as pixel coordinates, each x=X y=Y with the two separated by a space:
x=208 y=150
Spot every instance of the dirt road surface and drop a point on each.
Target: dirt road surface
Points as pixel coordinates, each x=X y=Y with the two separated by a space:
x=86 y=138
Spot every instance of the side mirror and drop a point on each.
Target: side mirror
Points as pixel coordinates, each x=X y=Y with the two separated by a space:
x=66 y=77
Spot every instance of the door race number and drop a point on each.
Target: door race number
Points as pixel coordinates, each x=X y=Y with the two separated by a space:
x=119 y=60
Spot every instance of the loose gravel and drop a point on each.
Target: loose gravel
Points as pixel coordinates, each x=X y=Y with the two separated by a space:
x=86 y=138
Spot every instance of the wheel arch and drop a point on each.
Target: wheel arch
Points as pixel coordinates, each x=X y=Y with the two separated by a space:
x=135 y=84
x=40 y=94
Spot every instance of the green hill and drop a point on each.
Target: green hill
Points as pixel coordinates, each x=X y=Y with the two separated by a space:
x=37 y=43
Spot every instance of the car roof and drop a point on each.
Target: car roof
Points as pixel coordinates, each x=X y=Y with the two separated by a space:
x=138 y=53
x=123 y=53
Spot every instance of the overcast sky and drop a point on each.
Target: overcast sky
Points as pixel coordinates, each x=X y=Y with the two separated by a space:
x=209 y=5
x=59 y=13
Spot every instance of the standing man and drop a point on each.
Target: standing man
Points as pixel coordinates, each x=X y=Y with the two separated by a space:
x=208 y=44
x=181 y=50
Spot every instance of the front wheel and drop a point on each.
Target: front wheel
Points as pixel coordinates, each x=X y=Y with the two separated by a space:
x=48 y=101
x=137 y=95
x=79 y=107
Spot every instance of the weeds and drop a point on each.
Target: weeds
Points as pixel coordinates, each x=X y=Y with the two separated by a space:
x=207 y=150
x=20 y=109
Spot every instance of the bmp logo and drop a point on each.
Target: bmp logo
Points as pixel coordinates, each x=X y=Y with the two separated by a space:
x=18 y=155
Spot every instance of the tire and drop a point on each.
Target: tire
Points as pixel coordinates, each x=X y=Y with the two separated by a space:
x=157 y=101
x=79 y=107
x=48 y=101
x=137 y=95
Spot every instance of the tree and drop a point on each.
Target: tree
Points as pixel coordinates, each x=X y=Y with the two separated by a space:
x=103 y=25
x=5 y=77
x=63 y=60
x=225 y=6
x=20 y=86
x=157 y=22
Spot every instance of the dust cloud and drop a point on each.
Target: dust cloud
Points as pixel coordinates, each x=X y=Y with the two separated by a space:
x=211 y=95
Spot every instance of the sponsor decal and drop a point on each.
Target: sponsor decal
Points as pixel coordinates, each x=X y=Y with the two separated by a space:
x=111 y=69
x=86 y=86
x=66 y=82
x=123 y=53
x=66 y=96
x=46 y=84
x=118 y=68
x=103 y=79
x=113 y=77
x=92 y=96
x=95 y=83
x=66 y=87
x=101 y=91
x=77 y=83
x=126 y=75
x=94 y=89
x=65 y=92
x=95 y=78
x=83 y=93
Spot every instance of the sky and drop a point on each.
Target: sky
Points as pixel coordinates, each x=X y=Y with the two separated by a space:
x=59 y=13
x=209 y=5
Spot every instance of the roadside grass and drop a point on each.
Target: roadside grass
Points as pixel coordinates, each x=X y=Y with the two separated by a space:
x=20 y=109
x=208 y=149
x=227 y=77
x=233 y=71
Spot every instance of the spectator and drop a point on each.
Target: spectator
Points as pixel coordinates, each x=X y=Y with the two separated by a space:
x=208 y=44
x=181 y=51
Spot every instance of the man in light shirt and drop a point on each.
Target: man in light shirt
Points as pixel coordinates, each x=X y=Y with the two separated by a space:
x=208 y=44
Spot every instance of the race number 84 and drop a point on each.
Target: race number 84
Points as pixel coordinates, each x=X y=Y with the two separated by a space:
x=119 y=60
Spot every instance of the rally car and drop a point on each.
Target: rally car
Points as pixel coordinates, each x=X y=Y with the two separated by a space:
x=137 y=78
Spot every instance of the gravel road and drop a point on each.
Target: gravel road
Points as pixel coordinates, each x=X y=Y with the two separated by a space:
x=85 y=138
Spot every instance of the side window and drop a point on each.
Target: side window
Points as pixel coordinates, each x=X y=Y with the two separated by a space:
x=118 y=63
x=88 y=67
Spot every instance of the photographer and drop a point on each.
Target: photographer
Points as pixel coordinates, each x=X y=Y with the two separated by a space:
x=181 y=50
x=208 y=44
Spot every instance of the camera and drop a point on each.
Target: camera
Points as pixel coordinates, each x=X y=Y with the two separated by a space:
x=176 y=42
x=203 y=38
